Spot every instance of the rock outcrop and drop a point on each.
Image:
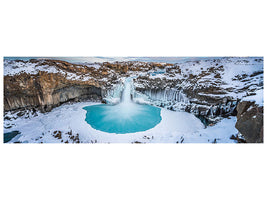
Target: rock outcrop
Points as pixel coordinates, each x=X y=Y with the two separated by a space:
x=44 y=91
x=250 y=121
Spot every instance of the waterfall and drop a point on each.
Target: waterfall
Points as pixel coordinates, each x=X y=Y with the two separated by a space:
x=122 y=94
x=127 y=108
x=126 y=94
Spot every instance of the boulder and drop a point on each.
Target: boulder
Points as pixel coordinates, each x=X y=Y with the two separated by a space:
x=250 y=121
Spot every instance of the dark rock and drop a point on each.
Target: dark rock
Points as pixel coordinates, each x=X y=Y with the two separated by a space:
x=217 y=76
x=7 y=118
x=243 y=107
x=137 y=142
x=233 y=137
x=57 y=134
x=238 y=139
x=250 y=121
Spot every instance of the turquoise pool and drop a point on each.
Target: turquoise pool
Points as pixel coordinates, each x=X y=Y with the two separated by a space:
x=122 y=118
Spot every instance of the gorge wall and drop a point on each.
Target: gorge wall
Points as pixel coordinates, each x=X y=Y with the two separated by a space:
x=44 y=91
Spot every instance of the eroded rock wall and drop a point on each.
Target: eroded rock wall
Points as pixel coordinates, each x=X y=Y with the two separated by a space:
x=45 y=91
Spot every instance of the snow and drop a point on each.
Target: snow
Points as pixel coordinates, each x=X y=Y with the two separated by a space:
x=234 y=75
x=94 y=65
x=222 y=131
x=11 y=68
x=258 y=98
x=71 y=117
x=233 y=69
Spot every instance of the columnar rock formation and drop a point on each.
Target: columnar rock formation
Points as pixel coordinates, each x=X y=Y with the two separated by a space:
x=45 y=91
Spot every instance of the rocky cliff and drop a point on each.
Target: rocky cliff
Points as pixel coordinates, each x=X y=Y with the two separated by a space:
x=45 y=91
x=49 y=83
x=44 y=84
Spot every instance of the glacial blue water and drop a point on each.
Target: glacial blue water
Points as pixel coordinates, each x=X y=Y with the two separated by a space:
x=113 y=119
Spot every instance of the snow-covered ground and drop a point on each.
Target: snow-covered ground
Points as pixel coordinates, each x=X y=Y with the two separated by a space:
x=212 y=79
x=232 y=72
x=175 y=127
x=12 y=68
x=258 y=98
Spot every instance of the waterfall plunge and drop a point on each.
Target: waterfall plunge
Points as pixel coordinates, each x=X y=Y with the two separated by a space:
x=125 y=117
x=127 y=107
x=126 y=95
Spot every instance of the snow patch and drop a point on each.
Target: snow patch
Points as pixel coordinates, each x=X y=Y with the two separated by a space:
x=258 y=98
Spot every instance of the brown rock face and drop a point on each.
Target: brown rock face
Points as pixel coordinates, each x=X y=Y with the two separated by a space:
x=250 y=121
x=119 y=67
x=45 y=91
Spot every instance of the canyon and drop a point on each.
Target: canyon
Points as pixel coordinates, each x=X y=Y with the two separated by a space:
x=211 y=89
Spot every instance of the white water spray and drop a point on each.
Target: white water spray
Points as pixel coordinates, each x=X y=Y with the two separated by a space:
x=127 y=107
x=126 y=95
